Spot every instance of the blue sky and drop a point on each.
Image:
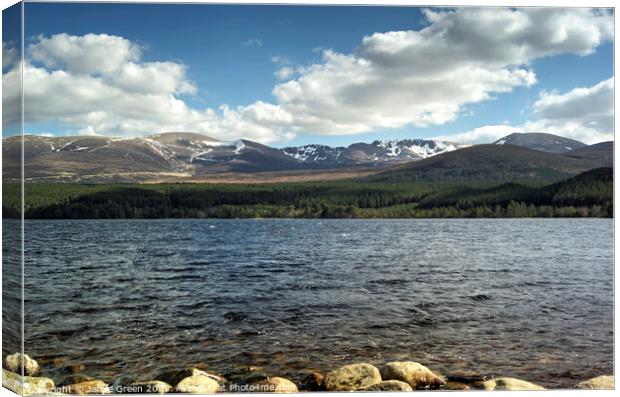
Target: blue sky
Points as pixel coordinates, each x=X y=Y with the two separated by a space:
x=232 y=52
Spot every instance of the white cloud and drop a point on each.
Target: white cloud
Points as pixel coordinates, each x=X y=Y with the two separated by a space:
x=426 y=77
x=284 y=73
x=280 y=60
x=585 y=114
x=485 y=134
x=252 y=41
x=122 y=95
x=88 y=54
x=593 y=105
x=10 y=55
x=153 y=77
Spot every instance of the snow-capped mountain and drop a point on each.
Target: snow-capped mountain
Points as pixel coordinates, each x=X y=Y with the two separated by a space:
x=315 y=153
x=186 y=155
x=416 y=148
x=370 y=153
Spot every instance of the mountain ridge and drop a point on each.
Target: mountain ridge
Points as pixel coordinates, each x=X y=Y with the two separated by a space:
x=193 y=157
x=84 y=158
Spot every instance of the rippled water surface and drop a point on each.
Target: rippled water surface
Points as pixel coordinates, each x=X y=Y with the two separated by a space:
x=524 y=298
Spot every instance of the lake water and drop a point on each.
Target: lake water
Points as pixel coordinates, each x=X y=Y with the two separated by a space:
x=525 y=298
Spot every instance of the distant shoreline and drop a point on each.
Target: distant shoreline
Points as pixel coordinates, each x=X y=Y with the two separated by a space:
x=587 y=195
x=296 y=219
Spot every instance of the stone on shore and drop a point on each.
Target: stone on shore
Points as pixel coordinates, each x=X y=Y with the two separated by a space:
x=120 y=384
x=415 y=374
x=15 y=361
x=197 y=384
x=73 y=379
x=352 y=377
x=88 y=387
x=149 y=387
x=508 y=384
x=274 y=385
x=175 y=376
x=388 y=385
x=312 y=382
x=603 y=382
x=27 y=385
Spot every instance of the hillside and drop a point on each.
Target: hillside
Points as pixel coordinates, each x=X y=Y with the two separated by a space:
x=602 y=152
x=502 y=163
x=591 y=188
x=542 y=142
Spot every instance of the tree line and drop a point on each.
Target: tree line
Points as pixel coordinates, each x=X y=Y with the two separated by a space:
x=586 y=195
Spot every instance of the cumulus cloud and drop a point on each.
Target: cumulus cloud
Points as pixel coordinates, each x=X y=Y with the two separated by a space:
x=119 y=93
x=585 y=114
x=426 y=77
x=10 y=55
x=484 y=134
x=591 y=104
x=88 y=54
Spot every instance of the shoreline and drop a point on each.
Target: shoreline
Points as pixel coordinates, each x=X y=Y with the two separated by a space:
x=311 y=219
x=362 y=377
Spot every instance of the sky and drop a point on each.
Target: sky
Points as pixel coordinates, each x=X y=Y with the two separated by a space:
x=295 y=75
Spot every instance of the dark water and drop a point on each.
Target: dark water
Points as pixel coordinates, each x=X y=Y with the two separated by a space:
x=525 y=298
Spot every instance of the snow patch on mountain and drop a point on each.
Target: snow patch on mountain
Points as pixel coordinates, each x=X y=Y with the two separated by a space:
x=64 y=146
x=375 y=152
x=415 y=148
x=238 y=144
x=308 y=153
x=159 y=148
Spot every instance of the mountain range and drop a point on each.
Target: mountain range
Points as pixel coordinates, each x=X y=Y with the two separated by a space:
x=191 y=157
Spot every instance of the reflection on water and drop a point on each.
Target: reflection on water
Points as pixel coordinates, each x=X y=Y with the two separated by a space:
x=524 y=298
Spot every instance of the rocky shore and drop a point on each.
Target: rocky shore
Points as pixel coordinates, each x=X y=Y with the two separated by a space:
x=391 y=376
